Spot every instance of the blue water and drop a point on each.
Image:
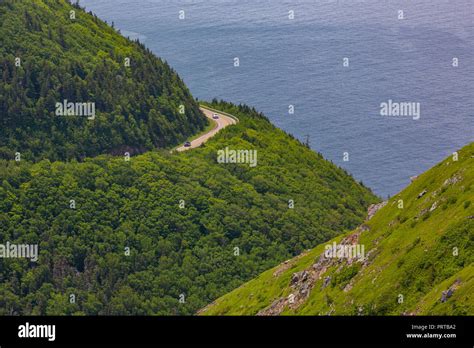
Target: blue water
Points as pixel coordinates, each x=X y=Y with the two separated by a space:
x=299 y=62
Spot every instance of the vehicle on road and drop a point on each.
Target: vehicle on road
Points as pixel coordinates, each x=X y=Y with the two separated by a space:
x=215 y=116
x=187 y=144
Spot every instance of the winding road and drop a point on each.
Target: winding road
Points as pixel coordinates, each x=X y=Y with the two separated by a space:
x=221 y=122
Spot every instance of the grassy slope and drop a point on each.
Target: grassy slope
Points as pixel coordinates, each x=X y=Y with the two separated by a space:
x=411 y=254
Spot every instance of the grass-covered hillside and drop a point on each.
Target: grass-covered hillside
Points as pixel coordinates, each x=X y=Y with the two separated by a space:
x=138 y=236
x=418 y=259
x=52 y=51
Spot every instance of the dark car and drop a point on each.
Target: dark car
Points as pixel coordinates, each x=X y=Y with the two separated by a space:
x=187 y=144
x=215 y=116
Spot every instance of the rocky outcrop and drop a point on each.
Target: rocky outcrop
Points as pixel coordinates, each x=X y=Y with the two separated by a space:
x=446 y=294
x=452 y=180
x=303 y=282
x=373 y=208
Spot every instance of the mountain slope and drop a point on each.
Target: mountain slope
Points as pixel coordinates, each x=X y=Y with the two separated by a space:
x=55 y=53
x=418 y=259
x=195 y=228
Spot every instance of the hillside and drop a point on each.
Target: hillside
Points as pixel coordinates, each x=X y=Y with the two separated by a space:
x=418 y=259
x=194 y=229
x=124 y=99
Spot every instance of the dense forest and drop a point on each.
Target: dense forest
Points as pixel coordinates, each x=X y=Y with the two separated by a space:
x=146 y=233
x=53 y=52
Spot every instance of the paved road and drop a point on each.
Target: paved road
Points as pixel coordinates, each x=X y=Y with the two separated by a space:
x=222 y=122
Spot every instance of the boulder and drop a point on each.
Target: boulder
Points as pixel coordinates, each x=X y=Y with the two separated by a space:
x=421 y=194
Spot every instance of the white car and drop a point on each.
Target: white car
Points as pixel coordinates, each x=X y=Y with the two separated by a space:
x=215 y=116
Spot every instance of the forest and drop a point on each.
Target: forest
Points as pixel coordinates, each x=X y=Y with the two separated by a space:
x=49 y=54
x=146 y=233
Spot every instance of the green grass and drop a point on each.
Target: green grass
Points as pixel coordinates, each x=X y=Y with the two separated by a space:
x=413 y=257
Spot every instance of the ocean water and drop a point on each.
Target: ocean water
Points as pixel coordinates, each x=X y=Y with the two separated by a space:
x=299 y=62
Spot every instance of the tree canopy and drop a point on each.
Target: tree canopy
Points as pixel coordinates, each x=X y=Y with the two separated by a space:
x=50 y=55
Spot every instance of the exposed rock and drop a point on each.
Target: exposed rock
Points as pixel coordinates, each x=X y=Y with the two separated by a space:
x=326 y=282
x=275 y=308
x=421 y=194
x=349 y=286
x=446 y=294
x=304 y=281
x=305 y=289
x=452 y=180
x=373 y=208
x=299 y=277
x=434 y=206
x=421 y=213
x=368 y=258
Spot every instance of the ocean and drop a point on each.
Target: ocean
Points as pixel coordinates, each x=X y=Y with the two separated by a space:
x=322 y=69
